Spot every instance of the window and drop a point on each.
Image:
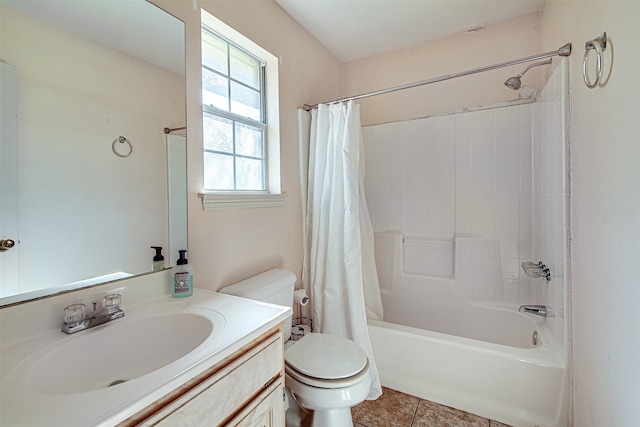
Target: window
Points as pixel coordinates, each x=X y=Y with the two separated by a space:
x=233 y=116
x=240 y=140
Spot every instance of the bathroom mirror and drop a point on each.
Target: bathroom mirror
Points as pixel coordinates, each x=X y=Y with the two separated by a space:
x=87 y=90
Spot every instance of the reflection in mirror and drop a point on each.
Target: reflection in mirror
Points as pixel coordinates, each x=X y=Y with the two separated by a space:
x=177 y=178
x=83 y=74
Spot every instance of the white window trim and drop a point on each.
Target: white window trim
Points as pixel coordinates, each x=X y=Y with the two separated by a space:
x=216 y=201
x=273 y=197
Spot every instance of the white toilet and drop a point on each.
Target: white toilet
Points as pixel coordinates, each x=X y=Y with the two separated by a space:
x=325 y=373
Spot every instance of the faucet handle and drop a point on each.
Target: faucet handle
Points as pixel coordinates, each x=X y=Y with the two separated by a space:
x=74 y=314
x=112 y=300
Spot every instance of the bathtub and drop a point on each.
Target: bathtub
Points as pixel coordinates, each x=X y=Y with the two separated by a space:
x=477 y=358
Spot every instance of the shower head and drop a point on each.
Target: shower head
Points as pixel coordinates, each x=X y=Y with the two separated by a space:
x=515 y=82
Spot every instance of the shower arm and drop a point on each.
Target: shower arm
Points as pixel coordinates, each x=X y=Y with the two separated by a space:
x=530 y=66
x=562 y=51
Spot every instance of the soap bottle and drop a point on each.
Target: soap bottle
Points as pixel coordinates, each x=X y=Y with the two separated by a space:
x=158 y=259
x=182 y=277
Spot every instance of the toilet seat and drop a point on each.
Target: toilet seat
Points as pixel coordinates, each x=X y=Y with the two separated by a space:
x=326 y=361
x=325 y=383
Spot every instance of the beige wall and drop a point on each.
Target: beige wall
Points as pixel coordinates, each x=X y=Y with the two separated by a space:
x=512 y=39
x=229 y=245
x=605 y=206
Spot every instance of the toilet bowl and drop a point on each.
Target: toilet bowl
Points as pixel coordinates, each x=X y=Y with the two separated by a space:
x=327 y=374
x=324 y=373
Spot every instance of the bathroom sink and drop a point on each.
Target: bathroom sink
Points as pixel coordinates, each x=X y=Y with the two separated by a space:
x=115 y=353
x=51 y=378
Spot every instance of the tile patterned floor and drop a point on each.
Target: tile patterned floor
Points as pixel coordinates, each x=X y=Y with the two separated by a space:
x=396 y=409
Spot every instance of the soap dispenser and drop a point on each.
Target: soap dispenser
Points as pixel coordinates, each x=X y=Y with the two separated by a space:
x=182 y=277
x=158 y=259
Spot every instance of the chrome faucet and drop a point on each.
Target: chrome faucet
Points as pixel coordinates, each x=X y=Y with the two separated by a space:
x=75 y=318
x=540 y=310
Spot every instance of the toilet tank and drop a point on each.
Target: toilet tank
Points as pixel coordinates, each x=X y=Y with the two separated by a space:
x=274 y=286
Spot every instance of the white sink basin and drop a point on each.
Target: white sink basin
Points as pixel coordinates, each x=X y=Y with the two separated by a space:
x=114 y=353
x=49 y=378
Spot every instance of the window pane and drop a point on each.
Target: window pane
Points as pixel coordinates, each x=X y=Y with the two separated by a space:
x=215 y=90
x=249 y=174
x=245 y=68
x=217 y=133
x=245 y=101
x=248 y=140
x=214 y=53
x=218 y=172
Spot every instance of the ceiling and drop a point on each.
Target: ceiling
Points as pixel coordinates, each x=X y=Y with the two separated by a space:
x=354 y=29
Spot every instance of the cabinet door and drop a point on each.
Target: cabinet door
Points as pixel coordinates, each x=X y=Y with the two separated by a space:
x=266 y=411
x=234 y=388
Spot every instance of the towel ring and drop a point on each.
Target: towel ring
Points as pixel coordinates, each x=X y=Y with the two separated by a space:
x=122 y=140
x=599 y=45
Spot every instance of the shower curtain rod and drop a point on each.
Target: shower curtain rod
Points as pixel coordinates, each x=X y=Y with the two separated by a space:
x=563 y=51
x=168 y=131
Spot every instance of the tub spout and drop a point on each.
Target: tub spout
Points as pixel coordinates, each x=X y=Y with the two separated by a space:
x=540 y=310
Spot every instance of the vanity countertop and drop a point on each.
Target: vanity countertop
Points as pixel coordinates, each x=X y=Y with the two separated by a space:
x=242 y=321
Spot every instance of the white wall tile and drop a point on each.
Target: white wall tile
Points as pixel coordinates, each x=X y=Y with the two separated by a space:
x=482 y=224
x=488 y=173
x=549 y=230
x=484 y=288
x=506 y=118
x=477 y=120
x=507 y=225
x=510 y=246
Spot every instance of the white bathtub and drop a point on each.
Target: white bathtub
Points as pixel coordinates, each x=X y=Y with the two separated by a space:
x=495 y=324
x=479 y=359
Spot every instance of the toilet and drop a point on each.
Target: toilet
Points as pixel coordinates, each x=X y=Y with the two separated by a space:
x=324 y=373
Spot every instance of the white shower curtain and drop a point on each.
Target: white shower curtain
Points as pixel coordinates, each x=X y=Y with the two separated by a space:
x=339 y=267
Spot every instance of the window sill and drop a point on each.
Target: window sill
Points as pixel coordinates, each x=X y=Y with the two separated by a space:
x=216 y=201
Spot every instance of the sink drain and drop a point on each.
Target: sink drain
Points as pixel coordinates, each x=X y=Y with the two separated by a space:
x=116 y=382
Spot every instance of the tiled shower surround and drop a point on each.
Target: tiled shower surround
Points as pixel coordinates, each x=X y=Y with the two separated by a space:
x=550 y=200
x=458 y=202
x=457 y=188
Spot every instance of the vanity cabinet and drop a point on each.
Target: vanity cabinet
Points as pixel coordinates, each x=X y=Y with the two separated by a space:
x=245 y=389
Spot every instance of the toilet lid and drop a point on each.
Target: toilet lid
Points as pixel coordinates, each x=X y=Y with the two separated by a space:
x=326 y=356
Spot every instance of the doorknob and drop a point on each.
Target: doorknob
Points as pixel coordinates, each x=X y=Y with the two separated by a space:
x=6 y=244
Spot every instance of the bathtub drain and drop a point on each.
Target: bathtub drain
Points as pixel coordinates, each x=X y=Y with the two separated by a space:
x=534 y=338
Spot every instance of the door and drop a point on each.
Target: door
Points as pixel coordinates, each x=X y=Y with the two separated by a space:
x=9 y=275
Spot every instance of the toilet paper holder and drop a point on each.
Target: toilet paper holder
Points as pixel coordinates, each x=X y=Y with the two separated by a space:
x=300 y=297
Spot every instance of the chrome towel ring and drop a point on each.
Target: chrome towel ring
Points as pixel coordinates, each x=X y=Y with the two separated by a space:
x=121 y=140
x=599 y=45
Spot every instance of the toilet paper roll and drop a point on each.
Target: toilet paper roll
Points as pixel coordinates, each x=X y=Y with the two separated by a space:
x=299 y=331
x=300 y=297
x=306 y=330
